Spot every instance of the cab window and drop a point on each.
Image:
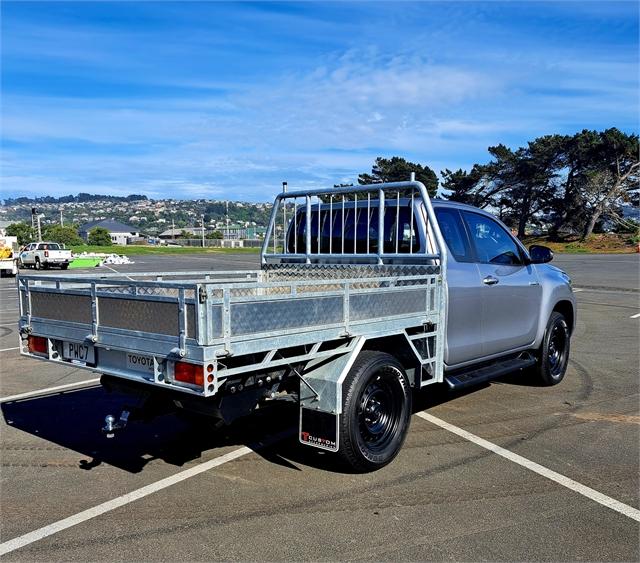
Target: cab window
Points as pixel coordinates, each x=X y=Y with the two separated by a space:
x=492 y=243
x=454 y=234
x=351 y=227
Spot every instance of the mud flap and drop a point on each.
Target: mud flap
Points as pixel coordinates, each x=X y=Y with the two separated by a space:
x=319 y=429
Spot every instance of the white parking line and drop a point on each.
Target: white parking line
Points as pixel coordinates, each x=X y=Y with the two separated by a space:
x=9 y=349
x=577 y=290
x=637 y=315
x=110 y=505
x=588 y=492
x=47 y=390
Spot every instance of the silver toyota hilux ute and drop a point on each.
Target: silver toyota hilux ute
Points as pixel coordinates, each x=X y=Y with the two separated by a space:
x=365 y=294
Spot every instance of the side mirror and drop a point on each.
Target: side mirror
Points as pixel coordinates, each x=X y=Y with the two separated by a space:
x=540 y=254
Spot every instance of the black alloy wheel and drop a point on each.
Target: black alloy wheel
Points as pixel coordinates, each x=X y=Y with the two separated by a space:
x=553 y=355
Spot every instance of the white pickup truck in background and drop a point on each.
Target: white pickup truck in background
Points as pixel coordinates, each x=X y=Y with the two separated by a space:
x=40 y=255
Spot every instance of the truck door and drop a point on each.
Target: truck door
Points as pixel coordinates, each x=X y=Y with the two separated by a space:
x=511 y=292
x=25 y=255
x=464 y=320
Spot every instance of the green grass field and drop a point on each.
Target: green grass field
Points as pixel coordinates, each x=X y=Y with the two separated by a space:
x=609 y=243
x=142 y=250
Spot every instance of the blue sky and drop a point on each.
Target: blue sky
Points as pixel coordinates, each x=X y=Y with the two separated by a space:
x=226 y=100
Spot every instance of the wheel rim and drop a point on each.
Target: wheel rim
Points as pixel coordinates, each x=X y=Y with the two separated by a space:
x=380 y=410
x=557 y=349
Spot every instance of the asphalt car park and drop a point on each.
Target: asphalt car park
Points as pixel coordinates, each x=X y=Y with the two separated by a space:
x=506 y=471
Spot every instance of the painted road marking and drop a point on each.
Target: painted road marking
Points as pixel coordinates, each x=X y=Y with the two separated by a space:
x=47 y=390
x=588 y=492
x=577 y=290
x=80 y=517
x=636 y=316
x=9 y=349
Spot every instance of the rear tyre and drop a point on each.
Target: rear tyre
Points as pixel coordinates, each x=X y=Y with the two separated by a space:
x=64 y=266
x=553 y=355
x=376 y=411
x=37 y=264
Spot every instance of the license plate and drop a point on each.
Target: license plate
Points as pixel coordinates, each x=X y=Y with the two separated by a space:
x=137 y=362
x=79 y=352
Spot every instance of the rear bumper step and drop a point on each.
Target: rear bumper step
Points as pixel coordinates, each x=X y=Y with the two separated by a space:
x=479 y=375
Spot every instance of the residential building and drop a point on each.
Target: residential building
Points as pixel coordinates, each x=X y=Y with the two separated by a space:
x=120 y=233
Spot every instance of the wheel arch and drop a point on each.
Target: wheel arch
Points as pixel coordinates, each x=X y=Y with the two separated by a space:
x=398 y=346
x=567 y=309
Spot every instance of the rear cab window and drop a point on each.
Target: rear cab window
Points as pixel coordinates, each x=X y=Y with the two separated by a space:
x=355 y=230
x=454 y=234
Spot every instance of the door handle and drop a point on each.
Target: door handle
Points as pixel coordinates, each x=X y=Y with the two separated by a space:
x=490 y=280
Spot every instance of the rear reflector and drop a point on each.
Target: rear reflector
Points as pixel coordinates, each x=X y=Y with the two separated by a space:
x=38 y=345
x=189 y=373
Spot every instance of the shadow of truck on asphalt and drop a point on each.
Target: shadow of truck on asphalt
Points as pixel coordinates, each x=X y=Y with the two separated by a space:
x=74 y=419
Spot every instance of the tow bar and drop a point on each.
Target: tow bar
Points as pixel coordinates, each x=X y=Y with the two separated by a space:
x=111 y=425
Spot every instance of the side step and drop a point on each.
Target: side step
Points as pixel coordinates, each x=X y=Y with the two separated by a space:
x=492 y=371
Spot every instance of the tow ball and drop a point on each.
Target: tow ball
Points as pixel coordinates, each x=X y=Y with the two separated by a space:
x=112 y=425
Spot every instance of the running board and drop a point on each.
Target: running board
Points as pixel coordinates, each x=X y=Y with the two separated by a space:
x=492 y=371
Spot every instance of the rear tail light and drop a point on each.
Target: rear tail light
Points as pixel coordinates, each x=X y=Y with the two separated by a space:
x=46 y=254
x=38 y=345
x=189 y=373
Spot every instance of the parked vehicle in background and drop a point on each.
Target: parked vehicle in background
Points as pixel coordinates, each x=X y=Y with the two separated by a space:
x=364 y=294
x=8 y=256
x=41 y=255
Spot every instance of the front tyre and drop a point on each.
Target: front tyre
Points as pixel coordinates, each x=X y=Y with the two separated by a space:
x=376 y=411
x=553 y=355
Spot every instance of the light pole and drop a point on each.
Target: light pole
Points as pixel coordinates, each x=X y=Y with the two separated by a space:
x=38 y=217
x=203 y=231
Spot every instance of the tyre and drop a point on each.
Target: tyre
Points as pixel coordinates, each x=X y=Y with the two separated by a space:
x=376 y=411
x=64 y=266
x=553 y=355
x=37 y=264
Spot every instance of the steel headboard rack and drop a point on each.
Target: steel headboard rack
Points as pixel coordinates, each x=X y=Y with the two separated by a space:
x=288 y=213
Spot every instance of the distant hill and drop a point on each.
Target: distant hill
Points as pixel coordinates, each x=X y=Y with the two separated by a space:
x=148 y=215
x=80 y=198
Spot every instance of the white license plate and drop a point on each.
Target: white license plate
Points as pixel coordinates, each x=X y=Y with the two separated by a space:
x=79 y=352
x=137 y=362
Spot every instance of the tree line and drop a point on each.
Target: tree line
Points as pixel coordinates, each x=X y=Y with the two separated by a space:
x=562 y=184
x=67 y=234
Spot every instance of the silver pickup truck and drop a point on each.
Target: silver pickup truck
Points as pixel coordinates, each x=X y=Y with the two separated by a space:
x=364 y=295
